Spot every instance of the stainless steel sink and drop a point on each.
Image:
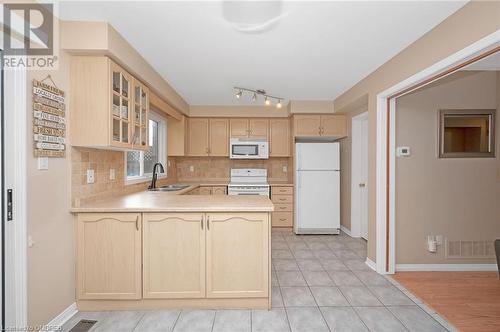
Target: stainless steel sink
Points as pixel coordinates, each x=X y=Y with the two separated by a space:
x=170 y=187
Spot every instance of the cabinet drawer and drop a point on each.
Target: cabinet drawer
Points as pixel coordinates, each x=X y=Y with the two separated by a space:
x=282 y=198
x=282 y=219
x=282 y=190
x=283 y=207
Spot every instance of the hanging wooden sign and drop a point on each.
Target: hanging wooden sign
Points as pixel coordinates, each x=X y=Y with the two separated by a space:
x=49 y=120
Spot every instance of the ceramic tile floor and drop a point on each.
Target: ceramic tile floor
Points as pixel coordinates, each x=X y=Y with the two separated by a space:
x=319 y=283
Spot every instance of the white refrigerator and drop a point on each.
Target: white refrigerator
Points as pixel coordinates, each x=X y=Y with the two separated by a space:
x=317 y=199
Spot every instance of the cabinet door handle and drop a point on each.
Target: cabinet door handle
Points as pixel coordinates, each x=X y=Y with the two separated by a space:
x=201 y=222
x=208 y=222
x=282 y=199
x=282 y=219
x=137 y=222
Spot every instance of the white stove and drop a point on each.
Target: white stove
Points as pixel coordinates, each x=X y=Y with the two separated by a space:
x=248 y=181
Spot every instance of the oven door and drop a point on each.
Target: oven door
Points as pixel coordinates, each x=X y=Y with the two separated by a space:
x=248 y=191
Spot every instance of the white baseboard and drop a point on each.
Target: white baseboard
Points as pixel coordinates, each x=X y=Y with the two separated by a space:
x=446 y=267
x=371 y=264
x=345 y=230
x=57 y=323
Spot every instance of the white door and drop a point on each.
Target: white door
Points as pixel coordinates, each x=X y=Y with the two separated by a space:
x=318 y=202
x=14 y=178
x=359 y=176
x=317 y=156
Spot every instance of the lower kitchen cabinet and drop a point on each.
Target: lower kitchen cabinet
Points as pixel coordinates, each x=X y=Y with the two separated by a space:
x=174 y=255
x=109 y=256
x=237 y=255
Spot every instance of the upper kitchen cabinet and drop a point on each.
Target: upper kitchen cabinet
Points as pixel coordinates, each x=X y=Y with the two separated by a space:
x=219 y=137
x=249 y=128
x=208 y=137
x=320 y=125
x=279 y=138
x=176 y=136
x=198 y=137
x=109 y=106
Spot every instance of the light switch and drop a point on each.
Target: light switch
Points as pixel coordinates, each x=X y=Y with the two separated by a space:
x=191 y=168
x=112 y=174
x=90 y=176
x=285 y=169
x=43 y=163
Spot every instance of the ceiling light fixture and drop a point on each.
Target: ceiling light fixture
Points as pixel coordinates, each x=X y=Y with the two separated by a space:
x=259 y=92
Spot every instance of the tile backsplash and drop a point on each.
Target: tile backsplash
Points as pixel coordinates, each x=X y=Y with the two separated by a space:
x=218 y=168
x=101 y=161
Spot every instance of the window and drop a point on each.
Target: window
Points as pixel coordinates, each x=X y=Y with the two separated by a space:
x=467 y=133
x=139 y=164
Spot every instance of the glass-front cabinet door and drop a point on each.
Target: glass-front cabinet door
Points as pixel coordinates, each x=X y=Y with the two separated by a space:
x=141 y=109
x=121 y=103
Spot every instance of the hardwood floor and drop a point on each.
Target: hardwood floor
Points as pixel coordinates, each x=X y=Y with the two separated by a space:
x=468 y=300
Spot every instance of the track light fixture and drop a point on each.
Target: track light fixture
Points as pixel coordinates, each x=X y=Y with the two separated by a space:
x=255 y=93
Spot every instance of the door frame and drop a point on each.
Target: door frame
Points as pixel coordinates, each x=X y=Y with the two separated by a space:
x=15 y=131
x=356 y=222
x=385 y=143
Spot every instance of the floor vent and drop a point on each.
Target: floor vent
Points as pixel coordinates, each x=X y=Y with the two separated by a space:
x=469 y=249
x=83 y=325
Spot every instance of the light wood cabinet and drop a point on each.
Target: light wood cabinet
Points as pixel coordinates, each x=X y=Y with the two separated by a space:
x=237 y=255
x=282 y=197
x=205 y=191
x=219 y=137
x=198 y=137
x=209 y=190
x=174 y=255
x=279 y=138
x=109 y=106
x=320 y=125
x=333 y=125
x=239 y=128
x=249 y=128
x=176 y=137
x=109 y=256
x=219 y=190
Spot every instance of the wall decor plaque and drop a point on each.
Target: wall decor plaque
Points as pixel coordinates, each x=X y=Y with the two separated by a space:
x=49 y=119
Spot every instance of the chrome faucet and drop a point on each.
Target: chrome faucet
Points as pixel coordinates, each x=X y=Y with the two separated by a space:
x=155 y=175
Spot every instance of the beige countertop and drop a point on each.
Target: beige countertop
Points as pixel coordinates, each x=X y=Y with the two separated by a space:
x=147 y=201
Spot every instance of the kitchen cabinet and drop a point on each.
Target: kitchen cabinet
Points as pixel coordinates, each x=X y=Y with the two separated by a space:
x=174 y=255
x=208 y=137
x=237 y=255
x=320 y=125
x=282 y=197
x=109 y=106
x=109 y=256
x=219 y=190
x=176 y=137
x=205 y=191
x=249 y=128
x=198 y=136
x=219 y=137
x=209 y=190
x=279 y=138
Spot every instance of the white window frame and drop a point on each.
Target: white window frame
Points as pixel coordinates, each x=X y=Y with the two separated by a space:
x=162 y=152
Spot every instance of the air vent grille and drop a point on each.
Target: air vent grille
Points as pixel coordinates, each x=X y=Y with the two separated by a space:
x=470 y=249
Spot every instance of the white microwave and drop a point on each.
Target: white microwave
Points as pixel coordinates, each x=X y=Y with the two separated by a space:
x=248 y=148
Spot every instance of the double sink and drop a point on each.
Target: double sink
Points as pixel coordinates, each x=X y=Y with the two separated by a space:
x=170 y=187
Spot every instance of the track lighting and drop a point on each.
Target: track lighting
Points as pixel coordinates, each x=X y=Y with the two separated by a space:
x=255 y=93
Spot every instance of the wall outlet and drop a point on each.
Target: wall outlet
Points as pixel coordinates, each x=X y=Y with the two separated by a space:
x=43 y=163
x=90 y=176
x=403 y=151
x=285 y=169
x=112 y=174
x=191 y=168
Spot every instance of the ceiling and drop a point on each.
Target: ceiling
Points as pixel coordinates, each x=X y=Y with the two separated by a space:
x=295 y=50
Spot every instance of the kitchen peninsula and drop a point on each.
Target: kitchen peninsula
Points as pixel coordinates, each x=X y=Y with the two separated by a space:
x=150 y=250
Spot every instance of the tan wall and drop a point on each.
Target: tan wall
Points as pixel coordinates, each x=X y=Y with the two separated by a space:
x=345 y=166
x=469 y=24
x=218 y=168
x=51 y=285
x=457 y=198
x=239 y=111
x=311 y=106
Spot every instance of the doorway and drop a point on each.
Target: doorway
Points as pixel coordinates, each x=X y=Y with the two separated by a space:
x=359 y=177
